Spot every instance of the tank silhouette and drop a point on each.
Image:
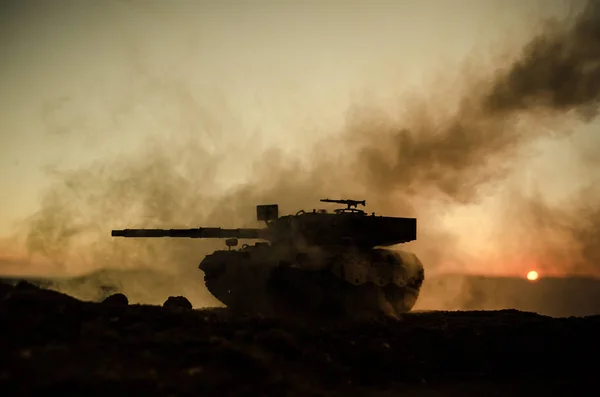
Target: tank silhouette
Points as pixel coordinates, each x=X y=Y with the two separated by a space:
x=311 y=262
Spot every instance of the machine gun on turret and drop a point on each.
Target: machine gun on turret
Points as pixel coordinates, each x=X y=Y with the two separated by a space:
x=349 y=203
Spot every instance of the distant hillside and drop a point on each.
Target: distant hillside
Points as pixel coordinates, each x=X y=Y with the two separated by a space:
x=558 y=297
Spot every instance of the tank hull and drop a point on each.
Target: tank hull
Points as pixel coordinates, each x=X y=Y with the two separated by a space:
x=338 y=281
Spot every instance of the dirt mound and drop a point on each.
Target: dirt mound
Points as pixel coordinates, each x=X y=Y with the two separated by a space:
x=110 y=349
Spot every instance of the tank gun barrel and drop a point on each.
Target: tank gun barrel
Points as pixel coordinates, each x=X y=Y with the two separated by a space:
x=201 y=232
x=349 y=203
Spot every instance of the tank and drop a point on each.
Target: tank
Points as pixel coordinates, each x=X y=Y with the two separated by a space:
x=309 y=263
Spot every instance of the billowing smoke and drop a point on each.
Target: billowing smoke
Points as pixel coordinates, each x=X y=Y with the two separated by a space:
x=426 y=156
x=557 y=72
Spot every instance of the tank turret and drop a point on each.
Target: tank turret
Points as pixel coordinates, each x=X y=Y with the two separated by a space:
x=310 y=261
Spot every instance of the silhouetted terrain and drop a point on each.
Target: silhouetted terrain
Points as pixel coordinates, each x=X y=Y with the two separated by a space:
x=53 y=344
x=556 y=297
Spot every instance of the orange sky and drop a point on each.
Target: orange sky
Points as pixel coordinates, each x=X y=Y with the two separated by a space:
x=208 y=88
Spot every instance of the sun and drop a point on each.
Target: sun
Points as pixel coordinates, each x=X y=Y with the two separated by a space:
x=532 y=275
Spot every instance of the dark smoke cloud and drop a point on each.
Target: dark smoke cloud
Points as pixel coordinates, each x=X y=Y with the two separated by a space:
x=442 y=151
x=556 y=72
x=559 y=70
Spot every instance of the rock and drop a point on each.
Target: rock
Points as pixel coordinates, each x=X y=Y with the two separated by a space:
x=116 y=299
x=178 y=301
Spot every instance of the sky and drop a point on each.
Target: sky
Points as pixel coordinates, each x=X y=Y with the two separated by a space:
x=190 y=112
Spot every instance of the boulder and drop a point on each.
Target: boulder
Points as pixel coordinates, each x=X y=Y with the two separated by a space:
x=116 y=299
x=178 y=301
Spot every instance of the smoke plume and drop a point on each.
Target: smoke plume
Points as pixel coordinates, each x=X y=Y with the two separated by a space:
x=427 y=156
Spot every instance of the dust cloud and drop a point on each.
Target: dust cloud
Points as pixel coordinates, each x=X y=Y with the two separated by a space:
x=430 y=154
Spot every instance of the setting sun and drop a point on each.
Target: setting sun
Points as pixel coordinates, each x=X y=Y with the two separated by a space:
x=532 y=275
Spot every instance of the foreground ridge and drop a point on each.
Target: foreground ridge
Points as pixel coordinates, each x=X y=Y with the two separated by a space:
x=54 y=343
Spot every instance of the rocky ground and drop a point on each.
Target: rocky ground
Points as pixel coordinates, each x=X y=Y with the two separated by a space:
x=52 y=344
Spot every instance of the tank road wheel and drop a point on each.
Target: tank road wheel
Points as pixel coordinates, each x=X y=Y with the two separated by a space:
x=401 y=299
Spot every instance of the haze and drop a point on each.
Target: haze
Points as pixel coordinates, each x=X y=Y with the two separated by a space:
x=180 y=114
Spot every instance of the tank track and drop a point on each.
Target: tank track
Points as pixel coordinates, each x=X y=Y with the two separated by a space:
x=287 y=290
